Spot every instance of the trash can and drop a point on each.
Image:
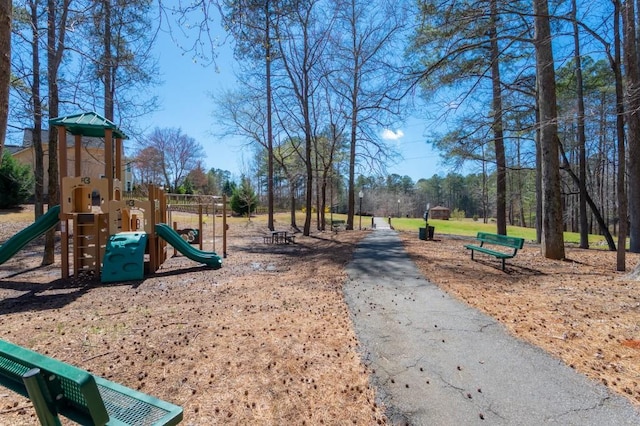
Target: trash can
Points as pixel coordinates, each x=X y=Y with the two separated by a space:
x=430 y=231
x=422 y=233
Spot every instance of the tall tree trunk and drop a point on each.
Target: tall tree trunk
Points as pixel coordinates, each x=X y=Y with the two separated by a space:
x=108 y=66
x=318 y=184
x=632 y=114
x=292 y=211
x=309 y=166
x=351 y=192
x=485 y=192
x=37 y=112
x=523 y=220
x=582 y=160
x=621 y=149
x=538 y=174
x=52 y=74
x=323 y=201
x=267 y=60
x=498 y=133
x=308 y=144
x=552 y=236
x=5 y=68
x=56 y=28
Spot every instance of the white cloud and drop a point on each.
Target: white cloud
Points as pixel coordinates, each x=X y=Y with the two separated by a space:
x=391 y=135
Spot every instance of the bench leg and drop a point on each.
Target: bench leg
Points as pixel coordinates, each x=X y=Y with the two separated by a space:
x=503 y=259
x=472 y=254
x=34 y=382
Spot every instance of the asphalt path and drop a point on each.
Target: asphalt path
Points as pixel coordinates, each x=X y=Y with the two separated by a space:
x=437 y=361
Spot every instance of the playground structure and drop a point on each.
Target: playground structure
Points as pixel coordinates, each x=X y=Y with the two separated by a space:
x=184 y=209
x=112 y=237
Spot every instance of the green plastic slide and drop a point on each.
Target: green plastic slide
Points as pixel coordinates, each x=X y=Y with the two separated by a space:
x=30 y=233
x=209 y=258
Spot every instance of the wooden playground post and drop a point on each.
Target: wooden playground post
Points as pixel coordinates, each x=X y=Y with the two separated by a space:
x=62 y=152
x=64 y=245
x=213 y=221
x=175 y=228
x=119 y=159
x=200 y=224
x=154 y=256
x=224 y=225
x=108 y=159
x=77 y=149
x=164 y=219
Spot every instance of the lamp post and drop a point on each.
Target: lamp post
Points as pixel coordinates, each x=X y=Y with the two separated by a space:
x=398 y=208
x=360 y=195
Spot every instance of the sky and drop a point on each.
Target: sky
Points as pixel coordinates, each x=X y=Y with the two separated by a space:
x=185 y=102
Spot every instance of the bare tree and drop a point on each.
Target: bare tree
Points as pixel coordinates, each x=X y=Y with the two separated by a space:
x=179 y=154
x=148 y=165
x=302 y=46
x=289 y=159
x=368 y=79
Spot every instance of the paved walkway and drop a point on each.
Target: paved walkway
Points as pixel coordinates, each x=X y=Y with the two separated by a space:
x=436 y=361
x=381 y=223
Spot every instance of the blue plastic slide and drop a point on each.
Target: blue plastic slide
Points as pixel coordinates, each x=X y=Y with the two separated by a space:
x=30 y=233
x=209 y=258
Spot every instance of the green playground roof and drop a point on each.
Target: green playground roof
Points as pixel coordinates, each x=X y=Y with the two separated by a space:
x=87 y=124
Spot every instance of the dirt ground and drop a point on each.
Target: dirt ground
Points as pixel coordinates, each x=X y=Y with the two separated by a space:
x=268 y=339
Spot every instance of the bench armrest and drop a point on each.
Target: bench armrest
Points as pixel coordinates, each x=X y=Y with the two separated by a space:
x=77 y=394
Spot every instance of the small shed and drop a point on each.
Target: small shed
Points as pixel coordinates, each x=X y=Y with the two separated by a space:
x=439 y=212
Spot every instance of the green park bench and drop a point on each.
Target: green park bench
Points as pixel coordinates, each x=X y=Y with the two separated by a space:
x=514 y=243
x=55 y=388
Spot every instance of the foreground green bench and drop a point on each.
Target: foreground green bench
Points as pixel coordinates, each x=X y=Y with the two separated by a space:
x=514 y=243
x=55 y=388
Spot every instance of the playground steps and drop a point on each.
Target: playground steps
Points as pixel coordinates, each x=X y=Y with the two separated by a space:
x=89 y=236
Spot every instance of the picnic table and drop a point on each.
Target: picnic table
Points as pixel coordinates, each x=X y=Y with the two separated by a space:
x=279 y=237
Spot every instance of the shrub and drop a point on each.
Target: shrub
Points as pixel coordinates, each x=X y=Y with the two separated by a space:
x=457 y=214
x=243 y=201
x=16 y=182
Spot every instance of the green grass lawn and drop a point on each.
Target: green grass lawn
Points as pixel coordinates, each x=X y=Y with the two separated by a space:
x=469 y=227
